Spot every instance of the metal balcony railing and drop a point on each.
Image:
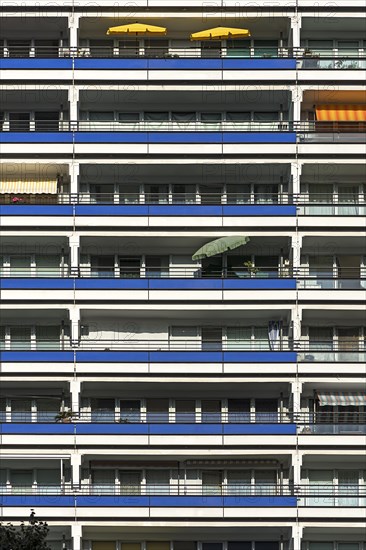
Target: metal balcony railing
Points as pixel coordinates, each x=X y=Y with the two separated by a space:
x=321 y=58
x=316 y=422
x=316 y=204
x=307 y=495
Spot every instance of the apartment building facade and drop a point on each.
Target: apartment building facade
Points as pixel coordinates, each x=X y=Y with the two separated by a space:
x=151 y=399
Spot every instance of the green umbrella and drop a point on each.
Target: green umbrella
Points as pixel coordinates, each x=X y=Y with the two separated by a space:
x=219 y=246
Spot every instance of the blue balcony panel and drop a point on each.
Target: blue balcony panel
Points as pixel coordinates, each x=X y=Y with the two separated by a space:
x=36 y=284
x=183 y=356
x=37 y=356
x=37 y=428
x=36 y=63
x=185 y=64
x=185 y=284
x=146 y=210
x=31 y=501
x=36 y=210
x=36 y=137
x=100 y=428
x=259 y=210
x=181 y=137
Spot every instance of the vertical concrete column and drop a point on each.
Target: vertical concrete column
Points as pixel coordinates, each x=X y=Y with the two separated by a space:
x=295 y=37
x=75 y=389
x=297 y=532
x=296 y=169
x=75 y=326
x=74 y=244
x=296 y=319
x=76 y=533
x=297 y=98
x=73 y=24
x=73 y=97
x=296 y=246
x=296 y=390
x=76 y=469
x=74 y=180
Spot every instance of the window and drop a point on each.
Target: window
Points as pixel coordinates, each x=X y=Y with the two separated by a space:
x=185 y=410
x=132 y=118
x=101 y=48
x=102 y=410
x=157 y=410
x=46 y=121
x=211 y=410
x=239 y=410
x=184 y=332
x=183 y=117
x=130 y=410
x=20 y=338
x=156 y=48
x=157 y=482
x=211 y=48
x=239 y=546
x=211 y=338
x=266 y=116
x=211 y=118
x=151 y=116
x=130 y=482
x=157 y=266
x=232 y=116
x=19 y=122
x=48 y=337
x=101 y=116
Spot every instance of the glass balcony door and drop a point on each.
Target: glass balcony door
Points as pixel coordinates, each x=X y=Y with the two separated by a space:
x=49 y=481
x=19 y=122
x=20 y=266
x=157 y=266
x=103 y=482
x=48 y=337
x=348 y=198
x=130 y=482
x=157 y=410
x=320 y=199
x=239 y=482
x=21 y=410
x=130 y=267
x=321 y=343
x=212 y=482
x=265 y=482
x=21 y=481
x=211 y=411
x=348 y=53
x=102 y=194
x=239 y=410
x=158 y=482
x=102 y=410
x=156 y=193
x=211 y=338
x=348 y=344
x=348 y=488
x=129 y=194
x=185 y=411
x=46 y=121
x=349 y=272
x=321 y=272
x=130 y=411
x=47 y=409
x=266 y=410
x=18 y=48
x=321 y=488
x=20 y=338
x=48 y=266
x=102 y=266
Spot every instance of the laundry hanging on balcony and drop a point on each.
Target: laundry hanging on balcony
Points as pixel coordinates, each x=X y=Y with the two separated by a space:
x=340 y=113
x=341 y=399
x=28 y=187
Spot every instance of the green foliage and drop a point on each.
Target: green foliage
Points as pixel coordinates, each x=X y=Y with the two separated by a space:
x=30 y=536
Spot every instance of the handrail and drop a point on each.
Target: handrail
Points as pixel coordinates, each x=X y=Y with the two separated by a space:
x=351 y=491
x=263 y=346
x=190 y=272
x=203 y=199
x=137 y=417
x=150 y=51
x=320 y=128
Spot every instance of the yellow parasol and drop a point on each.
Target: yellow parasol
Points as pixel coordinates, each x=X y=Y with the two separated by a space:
x=220 y=33
x=136 y=28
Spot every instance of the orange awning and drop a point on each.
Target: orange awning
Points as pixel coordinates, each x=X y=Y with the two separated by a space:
x=341 y=113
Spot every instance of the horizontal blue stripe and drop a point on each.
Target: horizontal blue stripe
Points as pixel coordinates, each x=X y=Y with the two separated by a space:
x=185 y=63
x=259 y=137
x=168 y=501
x=32 y=501
x=150 y=356
x=38 y=428
x=103 y=428
x=36 y=137
x=37 y=356
x=35 y=284
x=185 y=284
x=259 y=210
x=36 y=210
x=36 y=63
x=146 y=210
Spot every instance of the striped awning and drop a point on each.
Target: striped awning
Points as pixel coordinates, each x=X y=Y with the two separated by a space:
x=341 y=113
x=29 y=187
x=342 y=399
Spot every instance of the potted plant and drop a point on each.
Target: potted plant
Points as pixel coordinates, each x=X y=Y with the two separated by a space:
x=17 y=200
x=65 y=417
x=252 y=270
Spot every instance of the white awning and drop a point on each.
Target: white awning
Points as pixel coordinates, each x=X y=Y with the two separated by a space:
x=29 y=187
x=342 y=399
